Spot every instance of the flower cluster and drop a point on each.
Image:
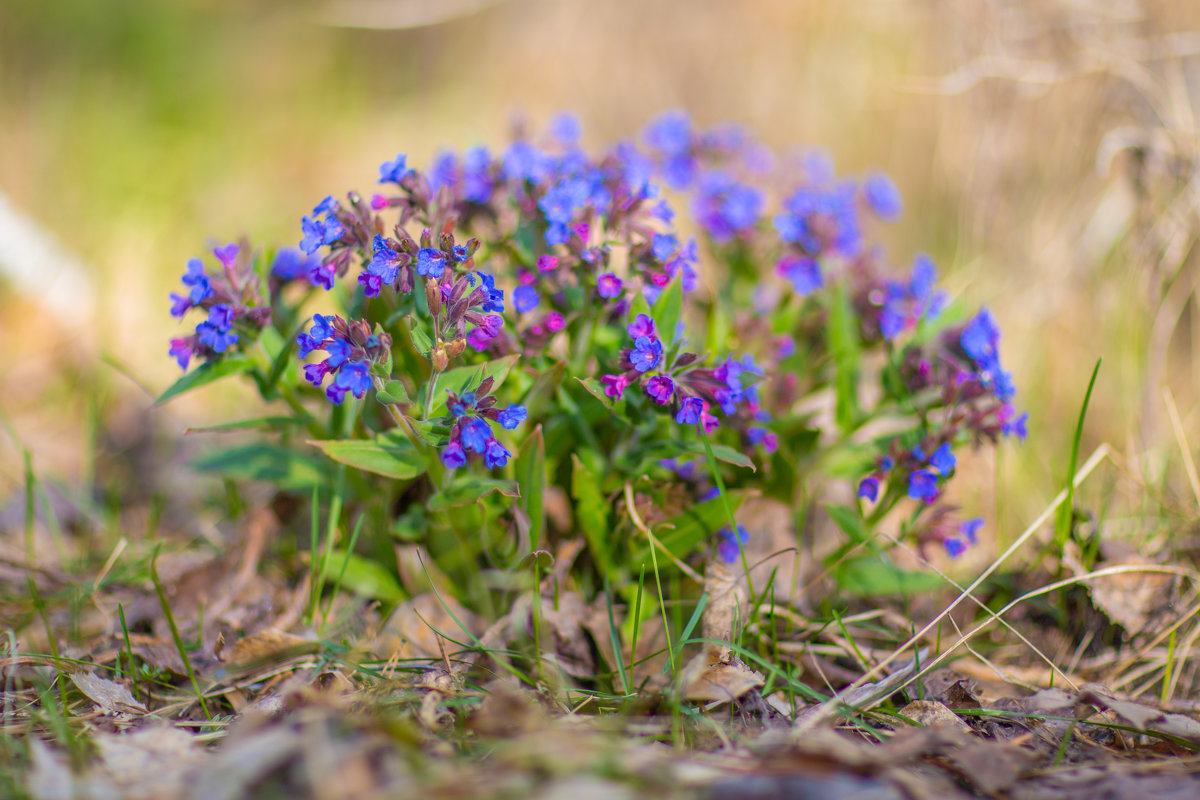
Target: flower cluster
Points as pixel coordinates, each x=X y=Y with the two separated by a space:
x=351 y=350
x=471 y=416
x=232 y=298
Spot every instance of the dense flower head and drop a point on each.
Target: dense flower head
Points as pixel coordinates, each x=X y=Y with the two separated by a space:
x=821 y=221
x=725 y=207
x=904 y=304
x=351 y=349
x=471 y=416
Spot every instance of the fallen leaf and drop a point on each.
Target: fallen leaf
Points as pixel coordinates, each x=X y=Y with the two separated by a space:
x=930 y=713
x=708 y=677
x=111 y=697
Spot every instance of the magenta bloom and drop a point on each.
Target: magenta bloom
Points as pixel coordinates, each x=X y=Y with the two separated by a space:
x=609 y=285
x=614 y=385
x=660 y=388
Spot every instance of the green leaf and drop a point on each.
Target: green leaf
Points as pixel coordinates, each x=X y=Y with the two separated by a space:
x=364 y=577
x=843 y=345
x=530 y=467
x=674 y=449
x=279 y=350
x=206 y=374
x=420 y=339
x=667 y=310
x=872 y=575
x=849 y=521
x=541 y=393
x=261 y=461
x=388 y=454
x=591 y=512
x=393 y=392
x=638 y=305
x=471 y=489
x=462 y=379
x=681 y=533
x=256 y=423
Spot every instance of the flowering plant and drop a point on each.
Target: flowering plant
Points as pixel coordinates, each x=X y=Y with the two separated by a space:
x=510 y=350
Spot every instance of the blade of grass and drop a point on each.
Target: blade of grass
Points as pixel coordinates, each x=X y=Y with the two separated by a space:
x=166 y=607
x=337 y=585
x=637 y=520
x=1066 y=512
x=616 y=639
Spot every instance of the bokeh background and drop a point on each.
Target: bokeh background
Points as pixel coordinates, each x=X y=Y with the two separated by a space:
x=1047 y=152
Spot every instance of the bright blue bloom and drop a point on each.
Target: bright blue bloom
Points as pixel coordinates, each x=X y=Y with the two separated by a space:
x=636 y=169
x=523 y=161
x=326 y=206
x=494 y=300
x=835 y=206
x=443 y=171
x=803 y=272
x=475 y=434
x=918 y=454
x=663 y=212
x=970 y=529
x=922 y=485
x=1016 y=427
x=215 y=331
x=291 y=263
x=663 y=245
x=869 y=488
x=181 y=351
x=689 y=412
x=724 y=206
x=729 y=546
x=394 y=171
x=195 y=278
x=318 y=233
x=322 y=328
x=954 y=547
x=430 y=263
x=981 y=338
x=338 y=350
x=511 y=417
x=315 y=373
x=882 y=196
x=354 y=377
x=453 y=456
x=943 y=460
x=496 y=455
x=885 y=463
x=525 y=298
x=646 y=353
x=660 y=388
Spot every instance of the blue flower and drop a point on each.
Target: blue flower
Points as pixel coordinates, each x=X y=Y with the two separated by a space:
x=215 y=331
x=443 y=171
x=476 y=175
x=523 y=161
x=1016 y=427
x=496 y=456
x=642 y=326
x=475 y=435
x=511 y=417
x=430 y=263
x=882 y=196
x=869 y=488
x=689 y=413
x=729 y=546
x=525 y=298
x=494 y=298
x=954 y=547
x=970 y=529
x=395 y=170
x=922 y=485
x=943 y=460
x=195 y=278
x=453 y=455
x=179 y=305
x=724 y=206
x=803 y=272
x=291 y=263
x=566 y=128
x=354 y=377
x=646 y=353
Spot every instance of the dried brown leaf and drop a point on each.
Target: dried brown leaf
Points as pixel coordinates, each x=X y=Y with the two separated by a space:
x=111 y=697
x=709 y=677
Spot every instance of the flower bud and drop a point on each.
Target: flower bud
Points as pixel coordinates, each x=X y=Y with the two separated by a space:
x=433 y=296
x=439 y=358
x=455 y=348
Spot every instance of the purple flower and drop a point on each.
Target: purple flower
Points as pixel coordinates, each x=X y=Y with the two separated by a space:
x=555 y=322
x=882 y=196
x=566 y=128
x=227 y=254
x=475 y=435
x=496 y=455
x=954 y=547
x=195 y=278
x=690 y=411
x=942 y=459
x=869 y=488
x=315 y=373
x=453 y=455
x=479 y=340
x=547 y=263
x=922 y=485
x=1016 y=427
x=321 y=274
x=729 y=546
x=725 y=207
x=970 y=529
x=614 y=385
x=290 y=264
x=642 y=326
x=181 y=351
x=660 y=388
x=179 y=305
x=395 y=170
x=646 y=353
x=430 y=263
x=525 y=298
x=609 y=285
x=803 y=272
x=511 y=417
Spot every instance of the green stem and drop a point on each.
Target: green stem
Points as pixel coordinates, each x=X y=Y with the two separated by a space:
x=166 y=607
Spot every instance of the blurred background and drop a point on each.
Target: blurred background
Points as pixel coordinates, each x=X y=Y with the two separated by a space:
x=1047 y=151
